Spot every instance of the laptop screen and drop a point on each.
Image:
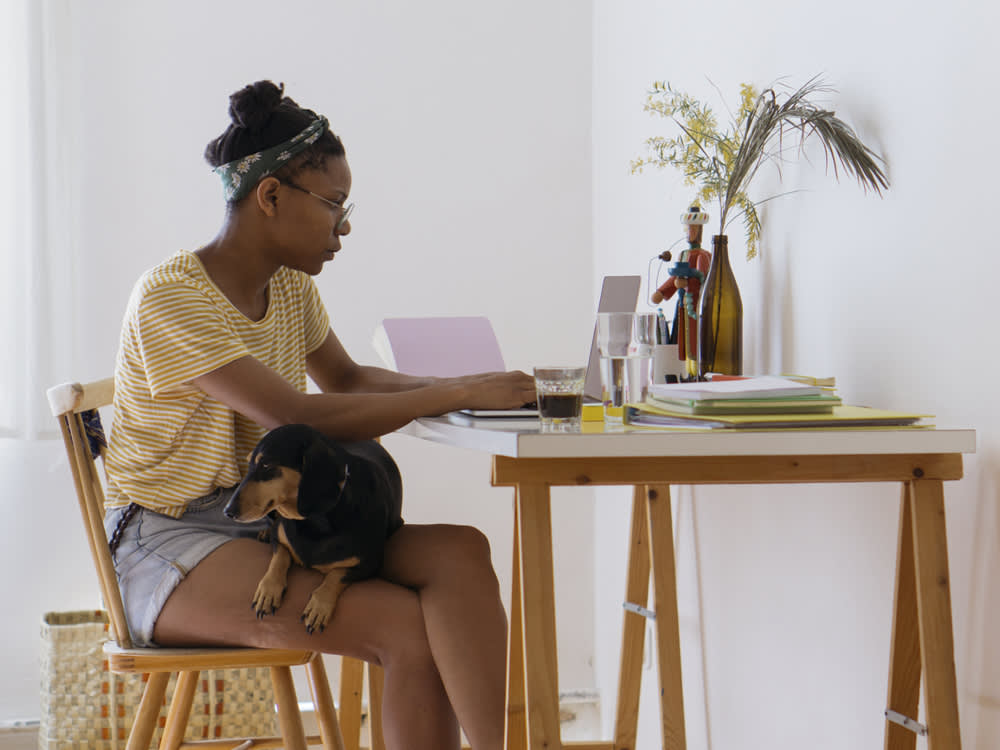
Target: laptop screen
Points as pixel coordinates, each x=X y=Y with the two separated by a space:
x=450 y=346
x=442 y=347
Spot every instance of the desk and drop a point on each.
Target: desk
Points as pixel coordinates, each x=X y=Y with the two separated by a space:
x=650 y=461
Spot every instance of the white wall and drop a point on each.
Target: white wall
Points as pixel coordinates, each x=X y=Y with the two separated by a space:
x=796 y=582
x=467 y=128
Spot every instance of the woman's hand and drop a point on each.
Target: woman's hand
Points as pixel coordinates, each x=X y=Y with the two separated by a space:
x=498 y=390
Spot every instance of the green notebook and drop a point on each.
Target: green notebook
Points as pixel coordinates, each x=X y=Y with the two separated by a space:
x=821 y=403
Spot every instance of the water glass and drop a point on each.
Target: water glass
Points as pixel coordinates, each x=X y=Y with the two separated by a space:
x=626 y=342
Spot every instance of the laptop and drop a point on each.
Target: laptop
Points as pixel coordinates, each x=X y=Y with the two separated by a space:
x=455 y=346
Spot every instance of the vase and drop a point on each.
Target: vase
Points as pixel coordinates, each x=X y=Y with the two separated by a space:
x=720 y=345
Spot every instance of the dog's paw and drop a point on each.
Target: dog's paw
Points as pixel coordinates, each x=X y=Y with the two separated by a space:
x=318 y=612
x=267 y=598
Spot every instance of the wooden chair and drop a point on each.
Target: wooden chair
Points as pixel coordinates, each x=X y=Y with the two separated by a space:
x=70 y=402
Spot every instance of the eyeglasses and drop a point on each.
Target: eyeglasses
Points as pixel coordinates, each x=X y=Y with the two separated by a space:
x=345 y=211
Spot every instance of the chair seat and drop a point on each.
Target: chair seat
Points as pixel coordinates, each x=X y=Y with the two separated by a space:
x=128 y=660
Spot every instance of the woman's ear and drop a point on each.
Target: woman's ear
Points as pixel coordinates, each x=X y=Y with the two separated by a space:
x=266 y=195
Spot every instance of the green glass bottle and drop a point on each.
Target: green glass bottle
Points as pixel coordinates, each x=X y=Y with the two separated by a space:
x=721 y=314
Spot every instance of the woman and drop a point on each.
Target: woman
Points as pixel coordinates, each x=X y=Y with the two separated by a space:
x=215 y=349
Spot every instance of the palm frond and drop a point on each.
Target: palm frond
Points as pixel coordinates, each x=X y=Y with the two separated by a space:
x=725 y=163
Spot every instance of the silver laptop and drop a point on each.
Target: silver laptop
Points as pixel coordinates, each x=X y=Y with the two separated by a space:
x=455 y=346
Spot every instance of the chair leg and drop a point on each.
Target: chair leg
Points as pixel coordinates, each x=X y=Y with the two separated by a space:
x=180 y=710
x=289 y=718
x=352 y=675
x=376 y=687
x=326 y=714
x=149 y=710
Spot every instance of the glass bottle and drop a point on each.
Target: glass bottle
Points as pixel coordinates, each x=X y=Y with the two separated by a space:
x=720 y=347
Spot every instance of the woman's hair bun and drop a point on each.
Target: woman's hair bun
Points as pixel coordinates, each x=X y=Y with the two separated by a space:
x=263 y=117
x=252 y=106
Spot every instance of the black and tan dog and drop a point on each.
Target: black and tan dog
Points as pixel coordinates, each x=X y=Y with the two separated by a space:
x=332 y=507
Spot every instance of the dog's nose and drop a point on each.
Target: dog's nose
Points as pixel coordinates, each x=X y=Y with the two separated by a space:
x=230 y=511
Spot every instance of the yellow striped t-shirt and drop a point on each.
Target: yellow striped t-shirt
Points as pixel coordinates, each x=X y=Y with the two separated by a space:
x=170 y=442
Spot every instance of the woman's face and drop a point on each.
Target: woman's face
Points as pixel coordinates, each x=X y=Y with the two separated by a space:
x=311 y=215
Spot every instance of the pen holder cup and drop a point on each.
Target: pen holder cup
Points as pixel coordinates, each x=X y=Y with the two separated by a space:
x=666 y=362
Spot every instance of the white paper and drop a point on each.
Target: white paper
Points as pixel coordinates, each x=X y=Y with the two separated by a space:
x=759 y=386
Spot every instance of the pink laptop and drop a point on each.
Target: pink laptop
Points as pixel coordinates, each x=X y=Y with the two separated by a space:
x=444 y=347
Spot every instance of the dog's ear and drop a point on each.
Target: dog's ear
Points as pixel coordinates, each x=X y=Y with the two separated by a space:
x=322 y=473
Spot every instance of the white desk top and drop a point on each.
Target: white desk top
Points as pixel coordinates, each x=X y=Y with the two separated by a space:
x=521 y=439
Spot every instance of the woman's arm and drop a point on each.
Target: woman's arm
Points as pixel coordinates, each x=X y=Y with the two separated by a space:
x=332 y=369
x=347 y=412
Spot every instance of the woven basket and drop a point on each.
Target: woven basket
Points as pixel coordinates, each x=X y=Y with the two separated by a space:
x=86 y=707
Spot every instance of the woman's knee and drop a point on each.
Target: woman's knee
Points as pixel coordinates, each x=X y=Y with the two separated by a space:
x=467 y=551
x=420 y=556
x=470 y=545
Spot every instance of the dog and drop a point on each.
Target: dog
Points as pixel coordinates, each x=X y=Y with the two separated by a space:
x=332 y=507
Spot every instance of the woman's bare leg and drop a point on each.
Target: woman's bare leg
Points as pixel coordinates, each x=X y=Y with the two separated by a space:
x=375 y=620
x=465 y=624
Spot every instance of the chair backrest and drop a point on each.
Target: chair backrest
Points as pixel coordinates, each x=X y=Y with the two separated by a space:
x=72 y=404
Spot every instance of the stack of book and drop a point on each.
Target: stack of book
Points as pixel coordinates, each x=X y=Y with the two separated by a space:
x=764 y=401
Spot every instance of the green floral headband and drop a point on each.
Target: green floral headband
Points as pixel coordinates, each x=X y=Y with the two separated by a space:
x=240 y=176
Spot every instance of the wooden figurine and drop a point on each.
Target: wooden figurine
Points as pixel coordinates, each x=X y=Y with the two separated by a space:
x=686 y=277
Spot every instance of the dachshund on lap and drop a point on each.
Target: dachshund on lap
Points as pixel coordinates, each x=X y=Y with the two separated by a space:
x=332 y=506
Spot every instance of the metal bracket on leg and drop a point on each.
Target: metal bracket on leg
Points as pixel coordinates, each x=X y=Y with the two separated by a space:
x=639 y=610
x=905 y=721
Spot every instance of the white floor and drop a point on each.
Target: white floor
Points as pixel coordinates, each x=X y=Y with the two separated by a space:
x=19 y=739
x=580 y=719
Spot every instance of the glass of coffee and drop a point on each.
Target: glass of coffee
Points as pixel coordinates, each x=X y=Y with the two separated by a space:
x=560 y=397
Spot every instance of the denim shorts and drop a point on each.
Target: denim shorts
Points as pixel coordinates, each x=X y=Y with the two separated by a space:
x=155 y=552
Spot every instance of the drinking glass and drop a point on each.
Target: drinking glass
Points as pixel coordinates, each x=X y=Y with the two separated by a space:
x=560 y=397
x=625 y=341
